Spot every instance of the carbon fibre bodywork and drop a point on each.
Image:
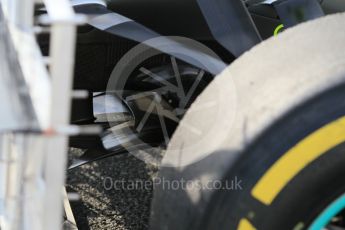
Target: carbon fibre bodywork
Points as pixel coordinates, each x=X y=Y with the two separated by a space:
x=229 y=28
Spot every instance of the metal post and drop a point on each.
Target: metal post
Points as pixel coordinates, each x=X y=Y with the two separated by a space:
x=61 y=66
x=34 y=165
x=4 y=163
x=34 y=183
x=14 y=182
x=24 y=11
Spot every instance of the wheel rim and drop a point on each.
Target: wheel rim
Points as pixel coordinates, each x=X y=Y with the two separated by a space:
x=184 y=75
x=323 y=221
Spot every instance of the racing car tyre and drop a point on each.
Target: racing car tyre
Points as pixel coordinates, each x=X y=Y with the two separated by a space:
x=284 y=147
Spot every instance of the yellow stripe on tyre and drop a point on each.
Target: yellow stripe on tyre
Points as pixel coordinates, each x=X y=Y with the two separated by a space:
x=245 y=225
x=297 y=158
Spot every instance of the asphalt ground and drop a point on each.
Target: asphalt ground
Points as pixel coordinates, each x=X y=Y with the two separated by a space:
x=115 y=193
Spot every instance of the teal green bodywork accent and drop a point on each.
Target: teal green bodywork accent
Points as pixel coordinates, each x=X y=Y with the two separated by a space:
x=326 y=216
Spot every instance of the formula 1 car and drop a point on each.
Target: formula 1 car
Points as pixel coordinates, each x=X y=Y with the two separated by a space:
x=222 y=30
x=146 y=63
x=103 y=44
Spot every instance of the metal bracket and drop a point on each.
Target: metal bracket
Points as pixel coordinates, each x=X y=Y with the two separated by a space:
x=230 y=24
x=293 y=12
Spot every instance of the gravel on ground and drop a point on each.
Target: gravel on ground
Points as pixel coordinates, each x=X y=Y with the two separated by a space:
x=115 y=193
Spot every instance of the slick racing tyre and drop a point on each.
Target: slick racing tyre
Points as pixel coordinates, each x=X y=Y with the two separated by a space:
x=283 y=153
